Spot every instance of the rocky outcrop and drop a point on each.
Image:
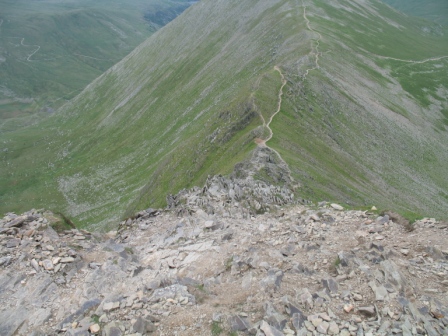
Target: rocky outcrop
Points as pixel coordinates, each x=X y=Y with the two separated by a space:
x=256 y=186
x=293 y=270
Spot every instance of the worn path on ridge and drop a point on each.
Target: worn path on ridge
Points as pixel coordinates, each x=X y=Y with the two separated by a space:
x=280 y=94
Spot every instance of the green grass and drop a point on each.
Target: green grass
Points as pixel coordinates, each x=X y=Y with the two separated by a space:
x=95 y=318
x=216 y=329
x=422 y=81
x=185 y=104
x=266 y=94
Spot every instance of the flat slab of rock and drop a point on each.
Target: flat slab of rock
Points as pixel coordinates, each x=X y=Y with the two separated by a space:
x=380 y=291
x=367 y=311
x=13 y=243
x=109 y=306
x=337 y=206
x=11 y=321
x=16 y=222
x=211 y=225
x=48 y=265
x=239 y=323
x=331 y=285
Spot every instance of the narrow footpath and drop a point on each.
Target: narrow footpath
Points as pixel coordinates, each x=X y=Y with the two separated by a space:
x=263 y=143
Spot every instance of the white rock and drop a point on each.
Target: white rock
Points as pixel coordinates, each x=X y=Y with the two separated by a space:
x=209 y=224
x=405 y=251
x=94 y=328
x=336 y=206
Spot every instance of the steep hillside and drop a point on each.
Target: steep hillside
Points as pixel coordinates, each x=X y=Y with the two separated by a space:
x=351 y=94
x=50 y=50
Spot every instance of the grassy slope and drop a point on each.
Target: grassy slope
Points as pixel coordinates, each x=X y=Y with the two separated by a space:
x=186 y=104
x=78 y=41
x=359 y=139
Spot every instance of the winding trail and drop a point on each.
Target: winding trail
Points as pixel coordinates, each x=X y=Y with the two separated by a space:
x=30 y=45
x=410 y=61
x=317 y=42
x=261 y=142
x=316 y=53
x=280 y=93
x=279 y=105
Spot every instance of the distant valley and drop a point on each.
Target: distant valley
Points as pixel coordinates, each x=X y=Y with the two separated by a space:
x=50 y=50
x=434 y=10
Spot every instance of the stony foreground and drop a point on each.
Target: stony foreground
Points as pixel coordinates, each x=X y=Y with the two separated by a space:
x=294 y=271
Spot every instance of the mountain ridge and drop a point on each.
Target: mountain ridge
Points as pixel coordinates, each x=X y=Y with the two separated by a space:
x=176 y=110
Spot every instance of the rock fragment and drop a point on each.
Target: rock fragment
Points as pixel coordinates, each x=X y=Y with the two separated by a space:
x=368 y=311
x=95 y=328
x=269 y=330
x=47 y=264
x=143 y=326
x=109 y=306
x=239 y=323
x=331 y=285
x=337 y=206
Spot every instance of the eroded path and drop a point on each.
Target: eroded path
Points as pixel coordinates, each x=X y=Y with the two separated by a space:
x=413 y=62
x=279 y=105
x=315 y=52
x=280 y=94
x=261 y=142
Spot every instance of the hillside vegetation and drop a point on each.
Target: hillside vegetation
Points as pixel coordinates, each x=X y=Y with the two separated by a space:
x=363 y=118
x=50 y=50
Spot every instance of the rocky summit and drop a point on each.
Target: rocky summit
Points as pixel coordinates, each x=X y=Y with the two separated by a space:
x=210 y=265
